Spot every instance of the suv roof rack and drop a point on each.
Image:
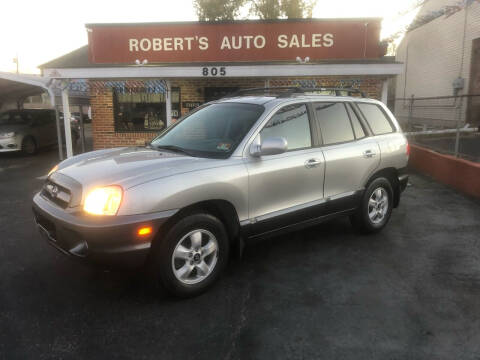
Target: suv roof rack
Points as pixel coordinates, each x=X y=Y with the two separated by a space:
x=289 y=91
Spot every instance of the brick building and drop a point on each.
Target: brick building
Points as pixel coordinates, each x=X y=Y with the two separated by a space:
x=143 y=77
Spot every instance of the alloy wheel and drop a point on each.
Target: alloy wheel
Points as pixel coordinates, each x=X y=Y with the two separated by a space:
x=195 y=256
x=378 y=205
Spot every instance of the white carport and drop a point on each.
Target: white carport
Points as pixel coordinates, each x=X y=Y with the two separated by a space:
x=17 y=87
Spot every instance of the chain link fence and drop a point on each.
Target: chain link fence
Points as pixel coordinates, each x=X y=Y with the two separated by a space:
x=446 y=124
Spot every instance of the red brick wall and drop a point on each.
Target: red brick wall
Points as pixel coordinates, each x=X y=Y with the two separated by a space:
x=460 y=174
x=192 y=90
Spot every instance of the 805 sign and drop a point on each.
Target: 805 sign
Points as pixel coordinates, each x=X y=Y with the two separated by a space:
x=214 y=71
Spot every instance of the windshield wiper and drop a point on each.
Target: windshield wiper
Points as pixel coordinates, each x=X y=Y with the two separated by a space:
x=173 y=148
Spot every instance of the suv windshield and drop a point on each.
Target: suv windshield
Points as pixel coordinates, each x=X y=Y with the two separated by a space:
x=214 y=130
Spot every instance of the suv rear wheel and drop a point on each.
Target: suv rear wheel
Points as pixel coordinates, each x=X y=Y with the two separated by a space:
x=29 y=146
x=375 y=208
x=192 y=255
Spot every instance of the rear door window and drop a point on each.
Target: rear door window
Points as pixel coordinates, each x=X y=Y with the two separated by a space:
x=334 y=122
x=376 y=118
x=292 y=123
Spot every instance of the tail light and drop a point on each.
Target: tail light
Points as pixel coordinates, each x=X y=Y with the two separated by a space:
x=408 y=149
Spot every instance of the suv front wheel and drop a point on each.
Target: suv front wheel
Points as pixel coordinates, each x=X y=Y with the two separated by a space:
x=192 y=255
x=375 y=208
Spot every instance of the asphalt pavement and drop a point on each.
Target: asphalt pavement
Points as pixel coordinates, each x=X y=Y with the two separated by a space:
x=410 y=292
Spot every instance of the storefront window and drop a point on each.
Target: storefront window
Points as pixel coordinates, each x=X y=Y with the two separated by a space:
x=143 y=110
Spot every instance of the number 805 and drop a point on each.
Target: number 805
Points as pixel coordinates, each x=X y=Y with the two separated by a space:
x=214 y=71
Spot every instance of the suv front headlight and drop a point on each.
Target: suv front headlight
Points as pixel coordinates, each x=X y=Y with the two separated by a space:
x=103 y=200
x=55 y=168
x=7 y=135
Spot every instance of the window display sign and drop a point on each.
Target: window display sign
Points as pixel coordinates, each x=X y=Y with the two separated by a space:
x=143 y=110
x=238 y=41
x=191 y=104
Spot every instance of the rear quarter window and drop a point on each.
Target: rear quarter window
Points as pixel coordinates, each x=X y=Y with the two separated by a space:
x=376 y=118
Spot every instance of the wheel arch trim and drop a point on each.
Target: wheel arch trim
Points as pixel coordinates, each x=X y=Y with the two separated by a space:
x=391 y=174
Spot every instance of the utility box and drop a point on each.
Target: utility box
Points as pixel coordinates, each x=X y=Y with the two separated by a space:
x=458 y=84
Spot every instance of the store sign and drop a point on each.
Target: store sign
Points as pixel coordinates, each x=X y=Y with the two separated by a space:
x=191 y=104
x=242 y=41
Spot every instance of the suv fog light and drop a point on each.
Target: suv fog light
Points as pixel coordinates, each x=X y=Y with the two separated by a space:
x=144 y=231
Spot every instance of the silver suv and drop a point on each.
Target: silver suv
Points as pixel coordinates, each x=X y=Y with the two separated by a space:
x=238 y=168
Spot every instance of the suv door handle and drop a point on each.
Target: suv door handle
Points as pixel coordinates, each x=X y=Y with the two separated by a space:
x=369 y=154
x=311 y=163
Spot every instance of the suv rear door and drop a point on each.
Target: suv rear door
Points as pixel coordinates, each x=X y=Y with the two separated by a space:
x=287 y=188
x=351 y=156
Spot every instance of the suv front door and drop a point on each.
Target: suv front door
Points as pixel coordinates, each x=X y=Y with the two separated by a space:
x=287 y=188
x=351 y=156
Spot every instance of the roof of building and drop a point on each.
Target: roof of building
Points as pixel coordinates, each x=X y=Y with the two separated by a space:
x=74 y=59
x=17 y=86
x=246 y=21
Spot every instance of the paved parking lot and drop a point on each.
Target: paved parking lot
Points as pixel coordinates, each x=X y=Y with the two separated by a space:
x=411 y=292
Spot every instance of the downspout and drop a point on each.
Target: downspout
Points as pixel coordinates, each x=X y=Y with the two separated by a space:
x=365 y=40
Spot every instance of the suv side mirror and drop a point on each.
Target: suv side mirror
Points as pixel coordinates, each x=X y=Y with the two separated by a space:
x=269 y=146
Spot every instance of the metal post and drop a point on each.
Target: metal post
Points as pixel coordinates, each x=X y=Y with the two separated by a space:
x=459 y=119
x=82 y=129
x=66 y=120
x=59 y=134
x=169 y=103
x=385 y=92
x=51 y=93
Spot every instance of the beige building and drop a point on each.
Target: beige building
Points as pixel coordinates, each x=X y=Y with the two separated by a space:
x=441 y=53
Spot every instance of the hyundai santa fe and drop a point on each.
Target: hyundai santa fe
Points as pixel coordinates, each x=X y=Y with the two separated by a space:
x=242 y=167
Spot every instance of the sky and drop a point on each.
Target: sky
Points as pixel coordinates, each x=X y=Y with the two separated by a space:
x=39 y=31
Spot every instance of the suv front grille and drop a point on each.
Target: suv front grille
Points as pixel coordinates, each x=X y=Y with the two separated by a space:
x=57 y=194
x=62 y=190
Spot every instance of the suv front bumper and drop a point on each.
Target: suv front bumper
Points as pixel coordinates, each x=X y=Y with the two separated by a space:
x=105 y=239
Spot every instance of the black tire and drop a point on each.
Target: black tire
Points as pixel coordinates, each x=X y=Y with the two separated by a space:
x=162 y=260
x=361 y=220
x=29 y=146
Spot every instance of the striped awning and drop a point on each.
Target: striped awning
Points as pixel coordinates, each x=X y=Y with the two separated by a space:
x=82 y=86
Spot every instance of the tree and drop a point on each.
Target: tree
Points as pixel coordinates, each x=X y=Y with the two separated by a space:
x=297 y=9
x=274 y=9
x=216 y=10
x=266 y=9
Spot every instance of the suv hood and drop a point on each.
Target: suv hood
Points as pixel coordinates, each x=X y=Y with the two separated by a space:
x=130 y=166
